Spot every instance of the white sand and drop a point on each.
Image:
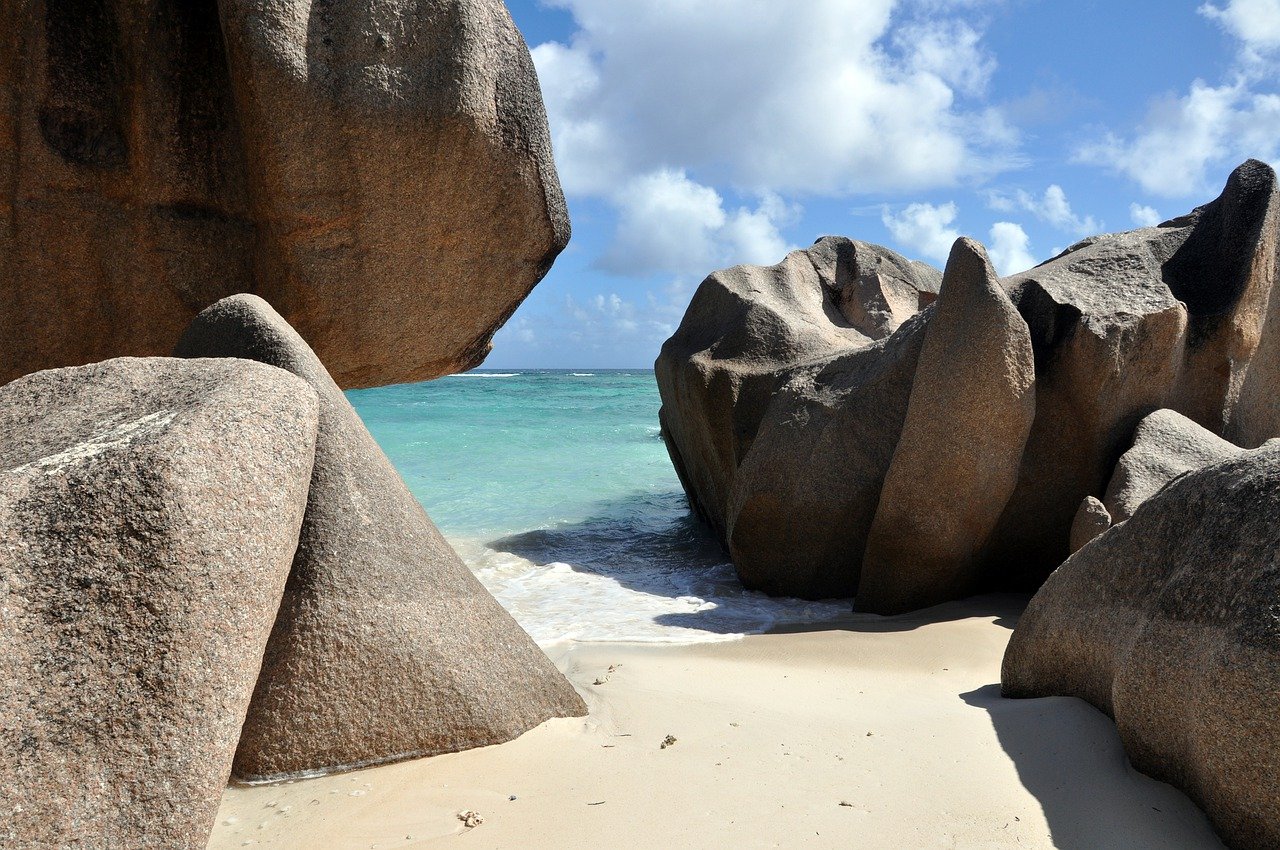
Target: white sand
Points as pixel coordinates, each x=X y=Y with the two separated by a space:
x=898 y=717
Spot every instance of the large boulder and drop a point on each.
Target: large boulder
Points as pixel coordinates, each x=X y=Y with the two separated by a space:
x=149 y=511
x=748 y=326
x=805 y=495
x=956 y=462
x=1165 y=445
x=386 y=646
x=785 y=398
x=382 y=173
x=1168 y=623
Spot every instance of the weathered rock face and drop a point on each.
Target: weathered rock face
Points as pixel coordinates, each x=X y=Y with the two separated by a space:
x=1225 y=273
x=748 y=326
x=1165 y=445
x=149 y=511
x=386 y=646
x=1109 y=338
x=1167 y=623
x=382 y=174
x=956 y=462
x=784 y=402
x=1124 y=324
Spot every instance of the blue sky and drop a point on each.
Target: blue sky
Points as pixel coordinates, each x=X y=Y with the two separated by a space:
x=695 y=134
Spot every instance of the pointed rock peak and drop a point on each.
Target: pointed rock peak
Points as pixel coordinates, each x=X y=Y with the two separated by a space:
x=1250 y=176
x=969 y=265
x=386 y=646
x=1214 y=268
x=1247 y=195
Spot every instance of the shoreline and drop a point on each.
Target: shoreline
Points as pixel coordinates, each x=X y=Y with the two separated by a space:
x=868 y=732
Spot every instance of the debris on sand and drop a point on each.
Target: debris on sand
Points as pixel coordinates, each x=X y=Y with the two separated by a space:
x=668 y=741
x=600 y=680
x=470 y=819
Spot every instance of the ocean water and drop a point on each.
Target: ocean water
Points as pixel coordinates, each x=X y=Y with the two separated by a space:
x=556 y=490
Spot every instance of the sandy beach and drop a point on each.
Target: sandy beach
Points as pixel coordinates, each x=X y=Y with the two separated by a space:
x=872 y=732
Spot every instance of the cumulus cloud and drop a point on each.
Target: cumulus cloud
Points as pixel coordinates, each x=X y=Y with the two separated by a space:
x=1182 y=139
x=926 y=228
x=951 y=50
x=760 y=97
x=1256 y=23
x=1187 y=142
x=670 y=223
x=1010 y=248
x=1144 y=216
x=1051 y=207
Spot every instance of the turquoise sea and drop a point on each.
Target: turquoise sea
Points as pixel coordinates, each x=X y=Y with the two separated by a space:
x=556 y=489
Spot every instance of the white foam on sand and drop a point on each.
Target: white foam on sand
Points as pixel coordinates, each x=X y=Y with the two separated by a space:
x=556 y=602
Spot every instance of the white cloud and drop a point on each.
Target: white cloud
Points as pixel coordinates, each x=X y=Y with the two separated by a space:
x=1183 y=138
x=928 y=229
x=951 y=50
x=670 y=223
x=1144 y=216
x=925 y=228
x=762 y=97
x=522 y=330
x=1051 y=207
x=1256 y=23
x=1010 y=248
x=1187 y=143
x=751 y=236
x=666 y=222
x=609 y=319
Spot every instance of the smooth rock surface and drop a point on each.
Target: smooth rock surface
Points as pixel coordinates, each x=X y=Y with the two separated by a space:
x=381 y=173
x=386 y=647
x=1165 y=445
x=956 y=462
x=805 y=495
x=748 y=327
x=1168 y=623
x=1092 y=519
x=149 y=511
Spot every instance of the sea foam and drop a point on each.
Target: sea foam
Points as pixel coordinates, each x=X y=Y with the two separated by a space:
x=558 y=493
x=559 y=602
x=485 y=375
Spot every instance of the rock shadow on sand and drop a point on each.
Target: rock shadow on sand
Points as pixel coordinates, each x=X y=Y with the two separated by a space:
x=1069 y=756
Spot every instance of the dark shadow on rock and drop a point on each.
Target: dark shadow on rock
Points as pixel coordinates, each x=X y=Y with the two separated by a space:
x=1069 y=756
